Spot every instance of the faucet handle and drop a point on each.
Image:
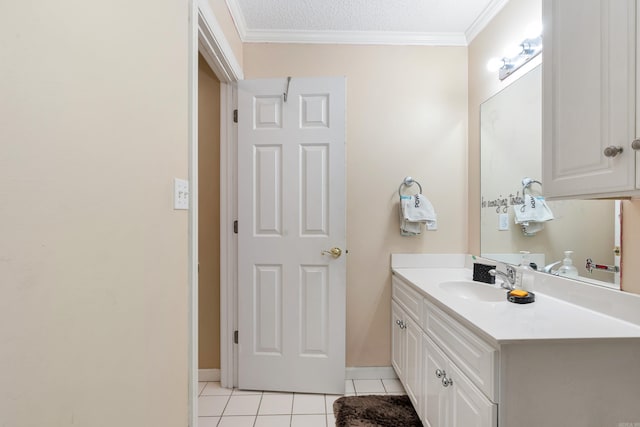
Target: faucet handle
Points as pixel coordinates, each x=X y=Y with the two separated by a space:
x=511 y=272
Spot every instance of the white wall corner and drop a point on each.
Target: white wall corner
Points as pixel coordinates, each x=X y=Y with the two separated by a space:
x=238 y=18
x=208 y=375
x=370 y=373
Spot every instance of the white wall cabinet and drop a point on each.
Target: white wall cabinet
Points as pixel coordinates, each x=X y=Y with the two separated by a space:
x=426 y=346
x=589 y=98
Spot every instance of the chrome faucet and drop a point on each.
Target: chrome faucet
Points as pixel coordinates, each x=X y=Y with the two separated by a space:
x=508 y=278
x=548 y=268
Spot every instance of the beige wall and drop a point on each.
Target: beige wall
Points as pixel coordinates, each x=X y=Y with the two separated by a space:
x=225 y=20
x=506 y=27
x=208 y=217
x=93 y=258
x=406 y=115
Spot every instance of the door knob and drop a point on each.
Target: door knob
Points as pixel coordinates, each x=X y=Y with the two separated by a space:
x=334 y=252
x=636 y=144
x=612 y=151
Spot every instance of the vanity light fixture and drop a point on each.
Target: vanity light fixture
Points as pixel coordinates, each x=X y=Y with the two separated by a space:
x=518 y=56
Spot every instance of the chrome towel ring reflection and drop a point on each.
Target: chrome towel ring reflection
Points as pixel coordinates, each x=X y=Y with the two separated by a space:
x=408 y=182
x=526 y=184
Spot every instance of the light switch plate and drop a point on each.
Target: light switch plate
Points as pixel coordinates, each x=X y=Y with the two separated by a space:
x=180 y=194
x=503 y=222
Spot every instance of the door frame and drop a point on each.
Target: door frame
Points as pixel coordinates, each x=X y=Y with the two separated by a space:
x=207 y=38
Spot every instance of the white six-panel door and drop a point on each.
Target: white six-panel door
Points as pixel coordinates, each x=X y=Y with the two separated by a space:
x=291 y=208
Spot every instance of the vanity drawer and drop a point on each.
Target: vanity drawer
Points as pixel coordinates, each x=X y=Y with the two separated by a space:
x=407 y=298
x=472 y=355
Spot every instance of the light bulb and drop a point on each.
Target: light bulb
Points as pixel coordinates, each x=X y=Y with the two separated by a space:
x=512 y=50
x=533 y=30
x=494 y=64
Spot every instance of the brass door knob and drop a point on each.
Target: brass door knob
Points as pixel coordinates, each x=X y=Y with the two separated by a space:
x=334 y=252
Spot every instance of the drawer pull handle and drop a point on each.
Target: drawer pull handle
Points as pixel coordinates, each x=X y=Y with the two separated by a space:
x=612 y=151
x=401 y=324
x=441 y=373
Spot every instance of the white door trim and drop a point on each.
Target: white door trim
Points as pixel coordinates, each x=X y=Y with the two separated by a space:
x=193 y=216
x=228 y=239
x=215 y=48
x=206 y=37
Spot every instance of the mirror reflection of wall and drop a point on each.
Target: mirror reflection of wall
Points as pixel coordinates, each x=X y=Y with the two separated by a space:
x=510 y=141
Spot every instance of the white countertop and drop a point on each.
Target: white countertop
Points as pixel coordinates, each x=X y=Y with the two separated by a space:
x=547 y=318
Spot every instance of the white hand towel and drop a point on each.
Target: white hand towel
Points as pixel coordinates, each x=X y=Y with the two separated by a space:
x=417 y=208
x=408 y=228
x=534 y=209
x=531 y=228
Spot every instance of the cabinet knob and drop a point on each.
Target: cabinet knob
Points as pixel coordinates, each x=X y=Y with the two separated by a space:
x=635 y=144
x=441 y=373
x=447 y=382
x=612 y=151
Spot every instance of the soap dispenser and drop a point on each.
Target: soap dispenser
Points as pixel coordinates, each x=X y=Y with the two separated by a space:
x=527 y=277
x=567 y=269
x=524 y=260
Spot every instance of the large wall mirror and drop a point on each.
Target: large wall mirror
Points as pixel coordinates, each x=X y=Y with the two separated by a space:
x=510 y=138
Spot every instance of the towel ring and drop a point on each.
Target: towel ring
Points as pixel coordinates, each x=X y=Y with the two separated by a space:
x=408 y=182
x=526 y=183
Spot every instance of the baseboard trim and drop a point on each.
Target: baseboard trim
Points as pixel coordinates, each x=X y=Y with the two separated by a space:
x=208 y=375
x=370 y=373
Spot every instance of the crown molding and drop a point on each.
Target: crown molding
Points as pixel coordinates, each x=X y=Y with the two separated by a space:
x=364 y=37
x=356 y=37
x=489 y=12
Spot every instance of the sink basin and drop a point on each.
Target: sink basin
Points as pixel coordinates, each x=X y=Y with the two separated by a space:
x=474 y=291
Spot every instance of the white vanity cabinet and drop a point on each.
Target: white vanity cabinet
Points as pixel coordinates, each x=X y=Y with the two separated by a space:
x=589 y=98
x=443 y=366
x=570 y=359
x=450 y=399
x=459 y=374
x=406 y=338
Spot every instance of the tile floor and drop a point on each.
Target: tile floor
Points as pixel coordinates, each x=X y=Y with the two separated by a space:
x=221 y=407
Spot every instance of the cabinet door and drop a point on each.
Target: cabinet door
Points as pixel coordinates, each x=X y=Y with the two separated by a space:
x=469 y=407
x=397 y=341
x=435 y=400
x=588 y=96
x=412 y=370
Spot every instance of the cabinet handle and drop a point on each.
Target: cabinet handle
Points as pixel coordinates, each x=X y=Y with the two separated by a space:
x=401 y=324
x=612 y=151
x=441 y=373
x=447 y=381
x=635 y=144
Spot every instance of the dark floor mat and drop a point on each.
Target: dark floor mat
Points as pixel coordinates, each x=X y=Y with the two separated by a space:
x=375 y=411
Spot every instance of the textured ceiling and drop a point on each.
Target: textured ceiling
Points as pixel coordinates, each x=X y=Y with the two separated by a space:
x=433 y=17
